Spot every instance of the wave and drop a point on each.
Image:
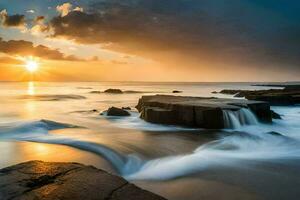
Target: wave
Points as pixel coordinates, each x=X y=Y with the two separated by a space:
x=241 y=147
x=234 y=151
x=236 y=119
x=20 y=130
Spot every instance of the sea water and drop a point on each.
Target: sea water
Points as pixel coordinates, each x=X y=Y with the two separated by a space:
x=62 y=122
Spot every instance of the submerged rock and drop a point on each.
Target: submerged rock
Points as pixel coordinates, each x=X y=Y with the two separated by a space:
x=113 y=91
x=275 y=133
x=95 y=92
x=275 y=115
x=196 y=111
x=37 y=180
x=114 y=111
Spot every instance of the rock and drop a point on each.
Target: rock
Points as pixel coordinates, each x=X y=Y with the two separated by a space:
x=275 y=133
x=176 y=91
x=113 y=91
x=214 y=92
x=132 y=92
x=114 y=111
x=275 y=115
x=230 y=92
x=196 y=111
x=277 y=97
x=285 y=86
x=37 y=180
x=126 y=108
x=95 y=92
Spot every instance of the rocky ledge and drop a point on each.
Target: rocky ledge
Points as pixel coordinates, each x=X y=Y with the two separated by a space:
x=289 y=95
x=36 y=180
x=196 y=111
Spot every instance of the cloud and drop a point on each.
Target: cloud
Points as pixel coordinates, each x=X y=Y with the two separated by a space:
x=241 y=33
x=30 y=11
x=10 y=60
x=39 y=26
x=66 y=8
x=26 y=48
x=16 y=21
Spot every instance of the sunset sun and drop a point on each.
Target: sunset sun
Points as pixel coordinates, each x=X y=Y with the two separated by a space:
x=31 y=66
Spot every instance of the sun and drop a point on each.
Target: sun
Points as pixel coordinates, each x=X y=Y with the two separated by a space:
x=31 y=66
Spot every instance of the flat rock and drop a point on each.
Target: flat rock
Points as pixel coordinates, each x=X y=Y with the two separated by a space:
x=36 y=180
x=196 y=111
x=290 y=95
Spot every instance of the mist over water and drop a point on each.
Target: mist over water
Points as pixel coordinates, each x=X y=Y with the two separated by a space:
x=135 y=149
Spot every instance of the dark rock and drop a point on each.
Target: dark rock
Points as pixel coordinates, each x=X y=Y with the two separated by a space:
x=95 y=92
x=277 y=97
x=113 y=111
x=132 y=92
x=126 y=108
x=274 y=133
x=285 y=86
x=176 y=91
x=37 y=180
x=196 y=111
x=214 y=92
x=113 y=91
x=275 y=115
x=230 y=92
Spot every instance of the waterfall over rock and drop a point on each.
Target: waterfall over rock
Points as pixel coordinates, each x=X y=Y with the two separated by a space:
x=236 y=119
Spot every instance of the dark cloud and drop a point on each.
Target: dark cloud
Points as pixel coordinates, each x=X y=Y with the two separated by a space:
x=257 y=31
x=12 y=20
x=243 y=30
x=26 y=48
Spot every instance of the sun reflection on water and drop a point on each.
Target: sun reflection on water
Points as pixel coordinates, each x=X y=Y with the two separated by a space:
x=31 y=88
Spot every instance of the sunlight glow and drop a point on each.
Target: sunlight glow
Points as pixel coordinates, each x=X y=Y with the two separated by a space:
x=31 y=66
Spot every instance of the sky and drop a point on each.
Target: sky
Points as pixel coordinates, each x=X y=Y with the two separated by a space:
x=150 y=40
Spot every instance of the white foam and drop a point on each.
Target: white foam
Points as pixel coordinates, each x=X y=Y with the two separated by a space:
x=239 y=118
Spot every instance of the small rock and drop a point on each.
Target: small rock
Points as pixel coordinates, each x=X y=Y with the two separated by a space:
x=214 y=92
x=113 y=91
x=126 y=108
x=275 y=115
x=114 y=111
x=274 y=133
x=95 y=92
x=176 y=91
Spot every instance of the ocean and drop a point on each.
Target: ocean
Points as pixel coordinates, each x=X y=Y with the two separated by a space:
x=61 y=122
